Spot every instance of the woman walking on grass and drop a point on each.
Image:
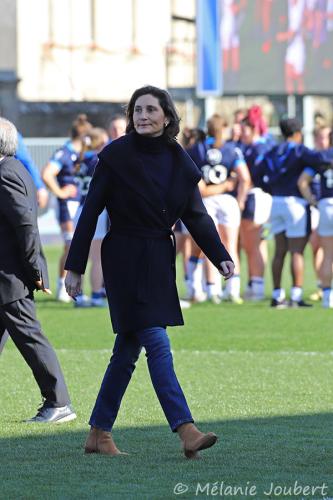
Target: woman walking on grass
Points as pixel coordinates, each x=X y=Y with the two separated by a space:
x=147 y=182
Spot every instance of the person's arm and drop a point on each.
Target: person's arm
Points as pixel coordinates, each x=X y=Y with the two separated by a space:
x=22 y=154
x=244 y=183
x=212 y=189
x=303 y=184
x=15 y=207
x=315 y=158
x=49 y=174
x=24 y=157
x=204 y=233
x=42 y=197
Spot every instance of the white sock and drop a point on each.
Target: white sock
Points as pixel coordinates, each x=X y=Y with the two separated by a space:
x=194 y=273
x=232 y=288
x=279 y=294
x=327 y=297
x=215 y=286
x=211 y=290
x=218 y=283
x=296 y=293
x=258 y=287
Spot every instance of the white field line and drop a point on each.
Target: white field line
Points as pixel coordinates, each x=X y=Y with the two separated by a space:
x=255 y=353
x=211 y=352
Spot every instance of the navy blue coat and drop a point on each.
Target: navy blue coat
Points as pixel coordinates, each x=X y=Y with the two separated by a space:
x=138 y=253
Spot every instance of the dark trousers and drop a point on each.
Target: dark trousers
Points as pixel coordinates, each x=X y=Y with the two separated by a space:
x=126 y=352
x=19 y=320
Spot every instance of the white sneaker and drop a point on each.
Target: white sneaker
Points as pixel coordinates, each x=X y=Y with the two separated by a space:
x=227 y=297
x=215 y=299
x=184 y=304
x=82 y=301
x=316 y=296
x=100 y=302
x=199 y=297
x=62 y=295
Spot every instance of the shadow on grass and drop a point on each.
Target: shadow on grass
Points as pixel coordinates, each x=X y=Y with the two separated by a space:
x=49 y=462
x=50 y=299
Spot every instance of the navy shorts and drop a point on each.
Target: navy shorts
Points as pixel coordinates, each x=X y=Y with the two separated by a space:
x=257 y=207
x=67 y=210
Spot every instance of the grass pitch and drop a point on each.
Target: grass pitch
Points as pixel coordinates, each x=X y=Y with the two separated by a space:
x=260 y=378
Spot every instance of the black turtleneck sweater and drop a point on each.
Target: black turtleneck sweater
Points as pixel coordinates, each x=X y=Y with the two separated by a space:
x=156 y=156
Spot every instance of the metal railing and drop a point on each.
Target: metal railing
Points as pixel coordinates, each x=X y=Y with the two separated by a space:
x=42 y=148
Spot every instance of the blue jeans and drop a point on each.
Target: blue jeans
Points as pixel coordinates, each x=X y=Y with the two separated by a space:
x=126 y=352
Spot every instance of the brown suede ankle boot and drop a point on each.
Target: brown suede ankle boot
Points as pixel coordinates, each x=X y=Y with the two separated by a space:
x=194 y=440
x=99 y=441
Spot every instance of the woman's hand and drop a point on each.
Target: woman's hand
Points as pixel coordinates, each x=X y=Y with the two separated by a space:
x=73 y=284
x=69 y=191
x=230 y=184
x=40 y=286
x=42 y=197
x=227 y=269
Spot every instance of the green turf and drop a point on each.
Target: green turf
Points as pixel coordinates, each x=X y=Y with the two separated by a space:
x=260 y=378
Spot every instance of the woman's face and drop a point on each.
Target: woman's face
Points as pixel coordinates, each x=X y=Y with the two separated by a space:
x=247 y=134
x=236 y=131
x=322 y=139
x=148 y=116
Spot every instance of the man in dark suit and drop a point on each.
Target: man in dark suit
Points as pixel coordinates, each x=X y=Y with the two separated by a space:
x=23 y=269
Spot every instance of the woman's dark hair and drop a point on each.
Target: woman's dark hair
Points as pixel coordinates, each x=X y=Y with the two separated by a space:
x=248 y=123
x=192 y=136
x=289 y=126
x=172 y=129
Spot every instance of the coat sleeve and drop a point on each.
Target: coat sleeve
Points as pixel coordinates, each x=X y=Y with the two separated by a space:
x=93 y=206
x=15 y=206
x=203 y=230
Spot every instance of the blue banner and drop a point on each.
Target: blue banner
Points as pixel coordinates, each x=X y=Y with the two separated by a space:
x=209 y=54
